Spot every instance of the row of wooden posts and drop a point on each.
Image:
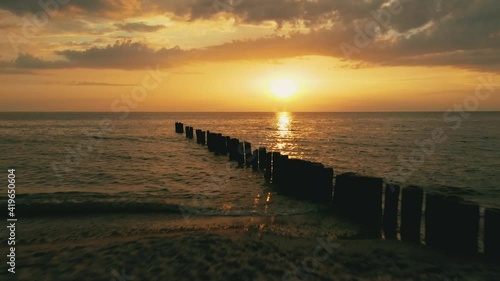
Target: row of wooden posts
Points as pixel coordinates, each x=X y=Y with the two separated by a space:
x=451 y=223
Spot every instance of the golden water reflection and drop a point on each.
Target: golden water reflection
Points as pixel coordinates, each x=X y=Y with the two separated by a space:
x=284 y=133
x=284 y=122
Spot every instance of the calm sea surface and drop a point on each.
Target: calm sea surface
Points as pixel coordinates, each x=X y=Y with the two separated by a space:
x=106 y=162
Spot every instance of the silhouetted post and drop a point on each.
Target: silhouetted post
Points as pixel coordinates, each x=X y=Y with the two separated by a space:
x=391 y=206
x=411 y=213
x=255 y=160
x=179 y=128
x=269 y=166
x=451 y=223
x=248 y=153
x=466 y=231
x=324 y=190
x=439 y=210
x=190 y=132
x=492 y=233
x=241 y=155
x=219 y=144
x=295 y=177
x=283 y=174
x=276 y=160
x=226 y=141
x=198 y=136
x=262 y=158
x=360 y=197
x=209 y=141
x=434 y=218
x=203 y=138
x=233 y=149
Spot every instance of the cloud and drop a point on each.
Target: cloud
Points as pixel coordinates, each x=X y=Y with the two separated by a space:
x=456 y=33
x=139 y=27
x=85 y=83
x=103 y=8
x=121 y=55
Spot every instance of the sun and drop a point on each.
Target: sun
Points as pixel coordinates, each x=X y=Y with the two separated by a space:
x=284 y=88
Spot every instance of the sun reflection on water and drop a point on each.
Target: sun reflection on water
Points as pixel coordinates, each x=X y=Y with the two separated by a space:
x=284 y=132
x=284 y=121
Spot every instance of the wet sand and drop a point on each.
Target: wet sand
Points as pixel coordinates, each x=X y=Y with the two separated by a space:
x=167 y=247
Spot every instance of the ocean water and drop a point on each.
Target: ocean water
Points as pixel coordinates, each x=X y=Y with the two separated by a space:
x=103 y=162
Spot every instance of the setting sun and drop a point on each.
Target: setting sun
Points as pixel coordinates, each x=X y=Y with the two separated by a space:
x=284 y=88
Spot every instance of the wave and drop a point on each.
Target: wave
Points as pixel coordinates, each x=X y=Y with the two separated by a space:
x=86 y=204
x=92 y=208
x=49 y=209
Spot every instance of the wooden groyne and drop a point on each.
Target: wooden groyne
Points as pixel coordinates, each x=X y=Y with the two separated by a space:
x=451 y=223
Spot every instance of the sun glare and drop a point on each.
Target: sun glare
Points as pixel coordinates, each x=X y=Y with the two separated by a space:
x=284 y=88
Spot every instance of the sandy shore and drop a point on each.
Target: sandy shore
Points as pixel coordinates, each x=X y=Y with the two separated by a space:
x=298 y=248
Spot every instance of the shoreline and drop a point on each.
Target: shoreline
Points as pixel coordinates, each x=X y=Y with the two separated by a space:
x=221 y=248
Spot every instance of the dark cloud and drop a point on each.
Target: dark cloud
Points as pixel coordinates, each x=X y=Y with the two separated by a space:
x=461 y=33
x=105 y=8
x=139 y=27
x=121 y=55
x=124 y=55
x=29 y=61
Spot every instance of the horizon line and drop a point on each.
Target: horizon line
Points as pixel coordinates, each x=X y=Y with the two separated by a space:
x=417 y=111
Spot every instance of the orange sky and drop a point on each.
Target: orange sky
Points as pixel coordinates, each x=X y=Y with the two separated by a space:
x=222 y=55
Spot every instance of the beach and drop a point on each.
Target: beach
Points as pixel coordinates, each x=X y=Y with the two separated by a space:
x=140 y=202
x=158 y=247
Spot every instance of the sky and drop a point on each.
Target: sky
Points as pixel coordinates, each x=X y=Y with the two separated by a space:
x=226 y=55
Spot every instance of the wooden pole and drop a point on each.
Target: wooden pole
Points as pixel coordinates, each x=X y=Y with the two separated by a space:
x=411 y=213
x=391 y=206
x=262 y=158
x=269 y=167
x=492 y=233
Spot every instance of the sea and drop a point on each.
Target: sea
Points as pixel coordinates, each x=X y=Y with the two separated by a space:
x=76 y=163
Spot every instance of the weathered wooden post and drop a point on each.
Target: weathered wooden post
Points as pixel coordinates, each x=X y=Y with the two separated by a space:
x=209 y=141
x=451 y=223
x=233 y=149
x=255 y=160
x=492 y=233
x=248 y=154
x=241 y=155
x=411 y=213
x=226 y=142
x=360 y=198
x=262 y=158
x=283 y=174
x=294 y=181
x=324 y=187
x=276 y=160
x=198 y=136
x=179 y=128
x=218 y=144
x=391 y=206
x=465 y=232
x=203 y=138
x=221 y=148
x=269 y=166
